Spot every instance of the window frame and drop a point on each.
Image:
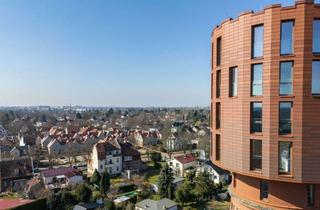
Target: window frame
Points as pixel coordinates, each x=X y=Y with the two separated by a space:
x=253 y=41
x=313 y=21
x=233 y=81
x=252 y=168
x=264 y=195
x=218 y=51
x=313 y=61
x=218 y=115
x=218 y=83
x=291 y=118
x=281 y=172
x=311 y=195
x=252 y=79
x=218 y=147
x=292 y=73
x=281 y=32
x=251 y=116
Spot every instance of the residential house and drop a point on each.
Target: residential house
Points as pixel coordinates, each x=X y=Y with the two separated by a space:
x=216 y=174
x=19 y=151
x=131 y=159
x=60 y=177
x=162 y=204
x=173 y=144
x=183 y=163
x=106 y=155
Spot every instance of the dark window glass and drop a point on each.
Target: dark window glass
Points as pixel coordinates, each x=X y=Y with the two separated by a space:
x=219 y=51
x=310 y=194
x=218 y=113
x=211 y=84
x=285 y=157
x=256 y=117
x=218 y=83
x=316 y=36
x=316 y=77
x=257 y=41
x=218 y=145
x=285 y=118
x=264 y=190
x=256 y=80
x=233 y=81
x=287 y=37
x=286 y=69
x=256 y=154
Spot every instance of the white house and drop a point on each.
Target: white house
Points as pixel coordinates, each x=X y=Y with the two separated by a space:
x=181 y=164
x=106 y=155
x=162 y=204
x=61 y=176
x=216 y=174
x=173 y=144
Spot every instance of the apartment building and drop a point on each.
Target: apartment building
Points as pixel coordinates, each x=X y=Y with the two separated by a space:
x=265 y=96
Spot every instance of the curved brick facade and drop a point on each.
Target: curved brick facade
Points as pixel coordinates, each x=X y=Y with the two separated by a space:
x=232 y=151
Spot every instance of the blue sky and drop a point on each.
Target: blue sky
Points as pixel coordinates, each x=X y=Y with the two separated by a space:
x=110 y=52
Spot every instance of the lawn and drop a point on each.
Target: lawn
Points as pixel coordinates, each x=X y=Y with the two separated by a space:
x=219 y=205
x=153 y=179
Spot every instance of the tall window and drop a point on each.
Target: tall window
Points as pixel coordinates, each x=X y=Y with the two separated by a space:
x=316 y=78
x=256 y=79
x=255 y=154
x=286 y=69
x=233 y=81
x=218 y=146
x=257 y=41
x=310 y=194
x=287 y=37
x=264 y=190
x=256 y=117
x=285 y=118
x=218 y=113
x=211 y=84
x=316 y=36
x=219 y=51
x=285 y=157
x=218 y=83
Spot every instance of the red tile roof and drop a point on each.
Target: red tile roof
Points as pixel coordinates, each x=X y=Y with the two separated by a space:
x=12 y=203
x=188 y=158
x=57 y=171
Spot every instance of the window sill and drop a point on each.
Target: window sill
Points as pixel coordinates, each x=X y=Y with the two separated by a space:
x=256 y=171
x=233 y=97
x=287 y=55
x=286 y=96
x=316 y=95
x=285 y=175
x=256 y=134
x=256 y=97
x=254 y=59
x=317 y=54
x=286 y=136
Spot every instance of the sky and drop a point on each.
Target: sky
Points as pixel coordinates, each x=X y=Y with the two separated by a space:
x=110 y=52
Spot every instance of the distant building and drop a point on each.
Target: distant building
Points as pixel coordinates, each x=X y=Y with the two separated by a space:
x=106 y=155
x=216 y=174
x=162 y=204
x=181 y=164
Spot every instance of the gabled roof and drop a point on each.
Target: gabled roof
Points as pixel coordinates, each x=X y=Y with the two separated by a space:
x=149 y=204
x=184 y=159
x=57 y=171
x=107 y=145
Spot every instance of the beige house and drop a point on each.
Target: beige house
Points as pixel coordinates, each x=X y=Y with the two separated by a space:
x=181 y=164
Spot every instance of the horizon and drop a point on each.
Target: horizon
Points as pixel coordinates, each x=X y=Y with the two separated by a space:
x=110 y=53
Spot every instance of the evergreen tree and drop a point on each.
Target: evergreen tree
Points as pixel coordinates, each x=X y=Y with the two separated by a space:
x=166 y=186
x=95 y=178
x=104 y=182
x=83 y=193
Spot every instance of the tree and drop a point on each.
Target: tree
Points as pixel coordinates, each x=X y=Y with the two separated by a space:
x=204 y=187
x=156 y=158
x=83 y=193
x=78 y=115
x=95 y=178
x=185 y=194
x=104 y=182
x=166 y=186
